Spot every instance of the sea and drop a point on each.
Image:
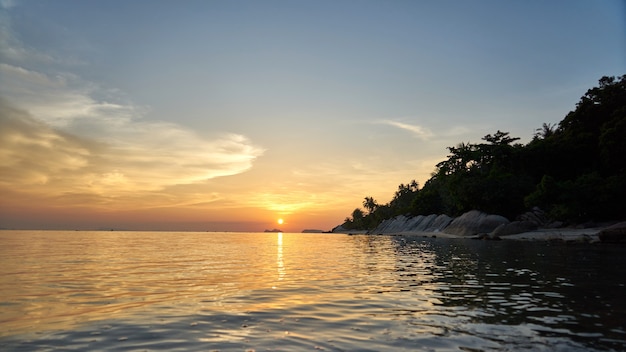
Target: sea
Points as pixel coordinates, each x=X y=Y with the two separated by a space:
x=217 y=291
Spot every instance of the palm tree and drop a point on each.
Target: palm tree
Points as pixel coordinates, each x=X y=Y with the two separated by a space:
x=546 y=130
x=370 y=204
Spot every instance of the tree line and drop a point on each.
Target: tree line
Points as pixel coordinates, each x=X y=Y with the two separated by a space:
x=575 y=170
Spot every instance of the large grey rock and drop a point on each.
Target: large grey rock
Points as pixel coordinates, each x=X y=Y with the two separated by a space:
x=425 y=222
x=339 y=229
x=419 y=223
x=475 y=222
x=413 y=223
x=439 y=224
x=392 y=225
x=513 y=228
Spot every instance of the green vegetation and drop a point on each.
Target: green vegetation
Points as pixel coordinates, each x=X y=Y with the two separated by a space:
x=575 y=171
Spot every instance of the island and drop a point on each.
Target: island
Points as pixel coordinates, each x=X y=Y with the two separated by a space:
x=273 y=230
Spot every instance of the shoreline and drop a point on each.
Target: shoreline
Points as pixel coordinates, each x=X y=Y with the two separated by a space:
x=531 y=226
x=587 y=235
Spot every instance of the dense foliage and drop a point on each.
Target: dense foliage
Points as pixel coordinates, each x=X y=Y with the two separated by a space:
x=575 y=171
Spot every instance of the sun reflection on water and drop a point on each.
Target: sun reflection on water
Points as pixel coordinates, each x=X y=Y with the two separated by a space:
x=342 y=292
x=280 y=264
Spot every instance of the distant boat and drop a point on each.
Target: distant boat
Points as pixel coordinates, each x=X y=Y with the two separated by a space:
x=273 y=230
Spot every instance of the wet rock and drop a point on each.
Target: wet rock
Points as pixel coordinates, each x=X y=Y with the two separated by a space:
x=440 y=223
x=392 y=225
x=424 y=223
x=420 y=223
x=475 y=222
x=513 y=228
x=614 y=234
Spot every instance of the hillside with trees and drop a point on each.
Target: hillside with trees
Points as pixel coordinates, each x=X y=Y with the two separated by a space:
x=575 y=171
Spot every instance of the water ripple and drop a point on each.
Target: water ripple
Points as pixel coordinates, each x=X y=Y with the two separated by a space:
x=256 y=292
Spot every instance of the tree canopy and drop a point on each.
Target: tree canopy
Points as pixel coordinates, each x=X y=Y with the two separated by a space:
x=575 y=171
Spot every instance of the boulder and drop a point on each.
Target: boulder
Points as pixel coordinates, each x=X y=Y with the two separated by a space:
x=475 y=222
x=391 y=225
x=613 y=234
x=395 y=224
x=419 y=223
x=339 y=229
x=424 y=222
x=413 y=223
x=399 y=223
x=513 y=228
x=439 y=224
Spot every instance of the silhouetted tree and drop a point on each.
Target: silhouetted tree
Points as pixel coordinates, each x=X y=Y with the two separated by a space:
x=575 y=170
x=370 y=204
x=403 y=198
x=546 y=131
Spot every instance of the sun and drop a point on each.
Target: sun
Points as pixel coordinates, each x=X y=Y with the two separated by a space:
x=280 y=221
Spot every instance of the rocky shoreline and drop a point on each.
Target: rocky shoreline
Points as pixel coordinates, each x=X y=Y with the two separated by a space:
x=478 y=225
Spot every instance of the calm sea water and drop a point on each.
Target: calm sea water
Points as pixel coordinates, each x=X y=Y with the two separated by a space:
x=124 y=291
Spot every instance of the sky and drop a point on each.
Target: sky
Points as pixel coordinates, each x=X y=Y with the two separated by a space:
x=230 y=115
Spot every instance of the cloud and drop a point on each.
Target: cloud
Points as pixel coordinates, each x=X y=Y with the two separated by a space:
x=31 y=153
x=143 y=157
x=418 y=131
x=60 y=99
x=58 y=138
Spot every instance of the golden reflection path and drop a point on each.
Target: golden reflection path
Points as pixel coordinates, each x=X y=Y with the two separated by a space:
x=360 y=292
x=280 y=263
x=62 y=279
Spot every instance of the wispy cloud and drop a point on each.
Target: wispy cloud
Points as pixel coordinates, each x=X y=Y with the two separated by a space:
x=32 y=152
x=128 y=159
x=61 y=99
x=418 y=131
x=61 y=135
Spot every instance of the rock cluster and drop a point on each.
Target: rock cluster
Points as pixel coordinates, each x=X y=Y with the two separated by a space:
x=472 y=223
x=513 y=228
x=475 y=223
x=420 y=223
x=339 y=229
x=469 y=224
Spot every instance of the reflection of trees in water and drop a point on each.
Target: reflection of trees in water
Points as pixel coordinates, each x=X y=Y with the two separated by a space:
x=415 y=261
x=497 y=279
x=378 y=252
x=512 y=283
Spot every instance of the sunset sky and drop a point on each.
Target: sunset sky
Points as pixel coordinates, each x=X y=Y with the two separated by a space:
x=228 y=115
